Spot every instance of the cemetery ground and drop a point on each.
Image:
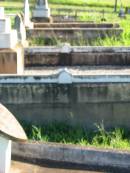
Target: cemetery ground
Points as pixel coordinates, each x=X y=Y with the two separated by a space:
x=94 y=12
x=117 y=138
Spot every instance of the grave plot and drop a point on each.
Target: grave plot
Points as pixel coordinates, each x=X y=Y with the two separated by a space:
x=50 y=31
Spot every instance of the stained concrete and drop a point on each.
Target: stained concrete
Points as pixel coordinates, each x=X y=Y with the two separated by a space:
x=78 y=56
x=67 y=34
x=21 y=167
x=59 y=155
x=8 y=61
x=76 y=24
x=82 y=104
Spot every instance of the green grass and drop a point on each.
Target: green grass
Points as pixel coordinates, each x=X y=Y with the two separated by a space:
x=99 y=3
x=63 y=133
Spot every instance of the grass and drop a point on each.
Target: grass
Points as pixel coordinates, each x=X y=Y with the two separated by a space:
x=64 y=133
x=100 y=5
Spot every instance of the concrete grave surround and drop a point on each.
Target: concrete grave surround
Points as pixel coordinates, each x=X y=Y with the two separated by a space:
x=21 y=31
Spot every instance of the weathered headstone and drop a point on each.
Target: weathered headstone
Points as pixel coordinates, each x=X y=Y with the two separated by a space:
x=20 y=27
x=42 y=11
x=8 y=37
x=10 y=129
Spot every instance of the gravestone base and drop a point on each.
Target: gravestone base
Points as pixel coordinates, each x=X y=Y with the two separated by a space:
x=12 y=61
x=42 y=19
x=8 y=40
x=5 y=155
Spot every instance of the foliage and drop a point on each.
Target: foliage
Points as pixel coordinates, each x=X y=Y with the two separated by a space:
x=67 y=134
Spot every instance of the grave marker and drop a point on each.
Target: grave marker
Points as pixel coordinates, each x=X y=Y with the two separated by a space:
x=8 y=37
x=10 y=129
x=42 y=11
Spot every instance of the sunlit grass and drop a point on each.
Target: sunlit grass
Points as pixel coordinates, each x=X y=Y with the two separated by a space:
x=64 y=133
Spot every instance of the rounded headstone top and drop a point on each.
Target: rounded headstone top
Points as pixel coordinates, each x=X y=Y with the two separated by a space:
x=9 y=126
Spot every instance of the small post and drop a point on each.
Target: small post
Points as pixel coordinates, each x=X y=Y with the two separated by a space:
x=115 y=6
x=5 y=155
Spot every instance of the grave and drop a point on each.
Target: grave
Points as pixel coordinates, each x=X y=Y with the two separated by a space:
x=11 y=53
x=66 y=29
x=41 y=12
x=8 y=132
x=8 y=37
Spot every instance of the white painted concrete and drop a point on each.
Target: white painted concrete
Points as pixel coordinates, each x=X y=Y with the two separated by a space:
x=5 y=25
x=66 y=48
x=5 y=155
x=8 y=37
x=8 y=40
x=64 y=77
x=27 y=21
x=2 y=14
x=82 y=49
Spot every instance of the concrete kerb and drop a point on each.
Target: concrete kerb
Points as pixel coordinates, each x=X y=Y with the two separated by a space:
x=38 y=151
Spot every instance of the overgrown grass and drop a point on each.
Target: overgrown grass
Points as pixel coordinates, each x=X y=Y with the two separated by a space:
x=63 y=133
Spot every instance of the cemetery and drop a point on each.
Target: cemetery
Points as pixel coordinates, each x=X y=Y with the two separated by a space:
x=58 y=66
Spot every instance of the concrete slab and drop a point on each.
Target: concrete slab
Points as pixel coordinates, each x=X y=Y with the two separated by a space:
x=20 y=167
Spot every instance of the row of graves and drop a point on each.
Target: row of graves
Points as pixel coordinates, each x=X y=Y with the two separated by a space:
x=79 y=68
x=80 y=85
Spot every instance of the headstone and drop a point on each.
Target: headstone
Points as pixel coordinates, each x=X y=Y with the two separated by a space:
x=2 y=15
x=20 y=27
x=10 y=129
x=27 y=21
x=122 y=13
x=8 y=37
x=64 y=77
x=42 y=11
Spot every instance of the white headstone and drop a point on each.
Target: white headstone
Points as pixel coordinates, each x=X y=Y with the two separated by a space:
x=41 y=10
x=8 y=37
x=2 y=15
x=64 y=77
x=5 y=25
x=5 y=155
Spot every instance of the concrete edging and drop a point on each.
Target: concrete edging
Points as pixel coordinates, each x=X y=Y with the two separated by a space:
x=71 y=154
